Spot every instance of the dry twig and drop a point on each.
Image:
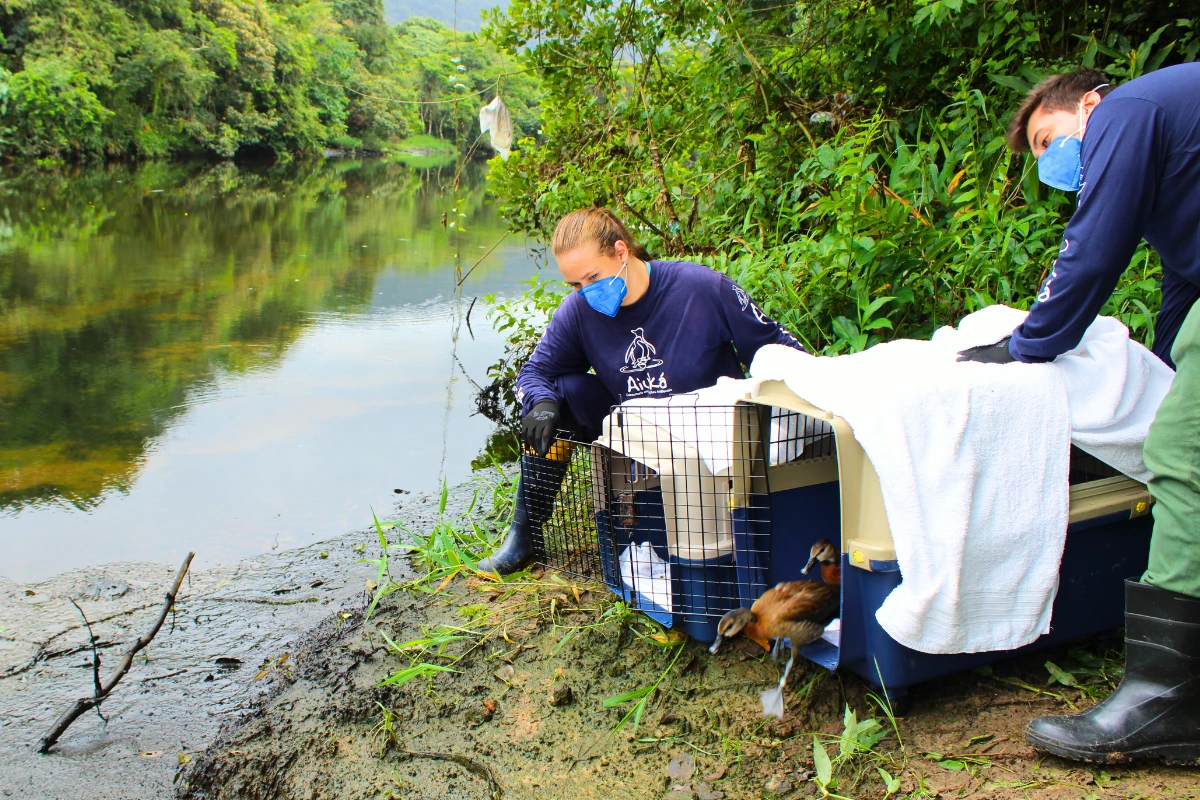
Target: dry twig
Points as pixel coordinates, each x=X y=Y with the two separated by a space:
x=95 y=654
x=83 y=705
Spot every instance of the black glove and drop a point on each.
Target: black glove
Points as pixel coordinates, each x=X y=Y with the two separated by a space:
x=988 y=353
x=540 y=426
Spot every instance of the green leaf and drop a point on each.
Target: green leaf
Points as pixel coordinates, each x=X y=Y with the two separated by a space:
x=821 y=764
x=1058 y=675
x=844 y=328
x=622 y=699
x=892 y=784
x=379 y=530
x=403 y=676
x=1010 y=82
x=875 y=305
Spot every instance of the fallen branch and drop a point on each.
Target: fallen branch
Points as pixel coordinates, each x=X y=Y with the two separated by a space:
x=83 y=705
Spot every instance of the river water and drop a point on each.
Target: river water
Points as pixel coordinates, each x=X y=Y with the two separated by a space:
x=235 y=360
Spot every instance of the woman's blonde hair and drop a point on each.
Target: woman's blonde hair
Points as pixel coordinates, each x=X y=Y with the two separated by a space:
x=598 y=225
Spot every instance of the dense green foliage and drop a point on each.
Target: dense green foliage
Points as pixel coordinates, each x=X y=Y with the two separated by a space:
x=146 y=78
x=431 y=52
x=843 y=159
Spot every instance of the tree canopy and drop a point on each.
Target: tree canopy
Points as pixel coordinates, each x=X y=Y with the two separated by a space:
x=150 y=78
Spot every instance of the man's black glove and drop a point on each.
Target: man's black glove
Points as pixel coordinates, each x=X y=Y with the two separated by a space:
x=989 y=353
x=540 y=426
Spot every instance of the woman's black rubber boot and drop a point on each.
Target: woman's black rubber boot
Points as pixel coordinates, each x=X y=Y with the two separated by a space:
x=1155 y=712
x=536 y=489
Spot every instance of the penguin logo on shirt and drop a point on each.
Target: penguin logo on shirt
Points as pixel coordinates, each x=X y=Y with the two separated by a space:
x=640 y=355
x=743 y=298
x=746 y=303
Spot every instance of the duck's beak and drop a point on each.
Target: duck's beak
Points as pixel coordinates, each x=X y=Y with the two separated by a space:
x=716 y=645
x=812 y=562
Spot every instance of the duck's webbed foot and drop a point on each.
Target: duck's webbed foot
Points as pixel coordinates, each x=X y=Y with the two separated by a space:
x=772 y=699
x=772 y=702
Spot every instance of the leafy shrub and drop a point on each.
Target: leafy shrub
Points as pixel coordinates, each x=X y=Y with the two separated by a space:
x=843 y=160
x=53 y=111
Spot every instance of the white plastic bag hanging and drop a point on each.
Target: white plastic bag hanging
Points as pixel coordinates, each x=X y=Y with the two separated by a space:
x=494 y=118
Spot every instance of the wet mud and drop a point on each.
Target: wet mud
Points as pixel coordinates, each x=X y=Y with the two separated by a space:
x=523 y=716
x=269 y=683
x=234 y=630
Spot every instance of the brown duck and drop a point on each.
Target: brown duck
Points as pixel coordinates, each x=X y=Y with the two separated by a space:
x=824 y=553
x=795 y=610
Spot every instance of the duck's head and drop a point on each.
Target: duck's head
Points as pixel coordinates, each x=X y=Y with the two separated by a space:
x=822 y=552
x=731 y=625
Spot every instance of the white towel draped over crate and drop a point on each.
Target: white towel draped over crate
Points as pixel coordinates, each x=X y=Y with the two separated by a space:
x=973 y=460
x=1114 y=384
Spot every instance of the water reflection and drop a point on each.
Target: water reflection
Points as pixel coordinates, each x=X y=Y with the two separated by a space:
x=218 y=357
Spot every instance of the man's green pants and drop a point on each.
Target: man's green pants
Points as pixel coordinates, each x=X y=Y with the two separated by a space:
x=1172 y=453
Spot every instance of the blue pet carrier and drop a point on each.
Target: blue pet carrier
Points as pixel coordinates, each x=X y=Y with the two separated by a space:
x=687 y=511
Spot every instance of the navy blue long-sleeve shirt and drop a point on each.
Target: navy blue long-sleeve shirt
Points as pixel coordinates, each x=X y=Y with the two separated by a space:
x=692 y=326
x=1141 y=180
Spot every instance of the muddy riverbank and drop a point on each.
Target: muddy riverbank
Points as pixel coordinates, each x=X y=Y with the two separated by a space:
x=523 y=716
x=204 y=669
x=476 y=689
x=533 y=679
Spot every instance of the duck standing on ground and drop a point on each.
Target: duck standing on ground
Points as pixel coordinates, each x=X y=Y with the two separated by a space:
x=795 y=610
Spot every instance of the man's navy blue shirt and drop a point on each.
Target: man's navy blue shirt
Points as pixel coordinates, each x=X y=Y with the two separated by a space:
x=692 y=326
x=1141 y=180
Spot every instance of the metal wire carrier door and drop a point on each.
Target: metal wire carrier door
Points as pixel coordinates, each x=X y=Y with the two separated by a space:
x=558 y=489
x=670 y=508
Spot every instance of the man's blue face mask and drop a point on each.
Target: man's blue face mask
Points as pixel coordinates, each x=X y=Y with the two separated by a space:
x=1061 y=166
x=606 y=295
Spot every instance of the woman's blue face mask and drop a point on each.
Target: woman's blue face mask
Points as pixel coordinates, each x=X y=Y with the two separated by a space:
x=607 y=294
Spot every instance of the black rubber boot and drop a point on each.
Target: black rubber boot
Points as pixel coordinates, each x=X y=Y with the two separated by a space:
x=536 y=489
x=1155 y=712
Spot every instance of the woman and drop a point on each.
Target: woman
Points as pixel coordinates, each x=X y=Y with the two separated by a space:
x=647 y=328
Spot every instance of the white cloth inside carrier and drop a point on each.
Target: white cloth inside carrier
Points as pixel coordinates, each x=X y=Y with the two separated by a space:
x=647 y=575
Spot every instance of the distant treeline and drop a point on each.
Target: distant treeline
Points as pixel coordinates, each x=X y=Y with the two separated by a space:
x=86 y=79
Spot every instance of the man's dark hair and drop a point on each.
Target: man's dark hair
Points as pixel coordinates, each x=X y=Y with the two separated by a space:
x=1056 y=93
